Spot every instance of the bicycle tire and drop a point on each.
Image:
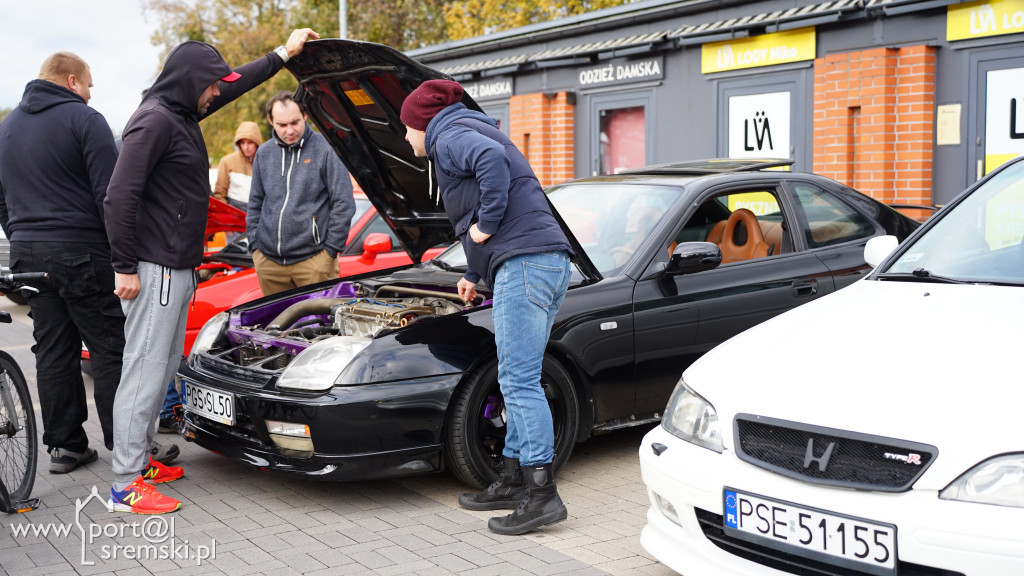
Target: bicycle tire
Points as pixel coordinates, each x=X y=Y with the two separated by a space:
x=18 y=448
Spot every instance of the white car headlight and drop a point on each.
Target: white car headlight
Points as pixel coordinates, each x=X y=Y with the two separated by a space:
x=999 y=481
x=208 y=335
x=692 y=418
x=317 y=367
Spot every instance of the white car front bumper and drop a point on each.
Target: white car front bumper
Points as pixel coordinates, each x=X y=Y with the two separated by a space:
x=968 y=538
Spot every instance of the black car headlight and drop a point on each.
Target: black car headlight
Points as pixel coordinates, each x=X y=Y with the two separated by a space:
x=998 y=481
x=316 y=368
x=692 y=418
x=213 y=328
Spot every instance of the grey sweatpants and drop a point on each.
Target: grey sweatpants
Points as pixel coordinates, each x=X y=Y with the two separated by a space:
x=154 y=335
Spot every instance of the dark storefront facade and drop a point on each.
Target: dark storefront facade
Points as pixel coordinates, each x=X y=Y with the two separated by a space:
x=909 y=101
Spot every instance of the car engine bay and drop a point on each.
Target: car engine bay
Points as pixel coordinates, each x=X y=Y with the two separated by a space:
x=271 y=336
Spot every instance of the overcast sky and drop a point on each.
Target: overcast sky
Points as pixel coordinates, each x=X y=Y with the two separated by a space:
x=111 y=35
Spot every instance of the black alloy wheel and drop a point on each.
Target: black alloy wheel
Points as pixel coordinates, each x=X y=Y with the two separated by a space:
x=475 y=432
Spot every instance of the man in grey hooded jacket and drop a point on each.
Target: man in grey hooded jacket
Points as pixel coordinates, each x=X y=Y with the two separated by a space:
x=300 y=203
x=155 y=211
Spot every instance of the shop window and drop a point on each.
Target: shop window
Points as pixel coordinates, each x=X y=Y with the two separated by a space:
x=623 y=139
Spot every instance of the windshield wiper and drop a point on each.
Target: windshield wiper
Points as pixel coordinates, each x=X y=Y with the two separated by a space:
x=921 y=275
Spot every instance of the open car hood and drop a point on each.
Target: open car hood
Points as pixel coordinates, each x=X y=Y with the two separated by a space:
x=353 y=91
x=222 y=217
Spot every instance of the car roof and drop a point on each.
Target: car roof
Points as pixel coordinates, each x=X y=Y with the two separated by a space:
x=711 y=166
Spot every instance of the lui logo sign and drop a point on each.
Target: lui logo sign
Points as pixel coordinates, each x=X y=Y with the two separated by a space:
x=759 y=125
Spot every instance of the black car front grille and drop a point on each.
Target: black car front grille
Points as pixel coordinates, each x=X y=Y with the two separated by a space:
x=711 y=525
x=248 y=376
x=829 y=456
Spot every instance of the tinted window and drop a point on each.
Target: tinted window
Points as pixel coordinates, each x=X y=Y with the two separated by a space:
x=829 y=219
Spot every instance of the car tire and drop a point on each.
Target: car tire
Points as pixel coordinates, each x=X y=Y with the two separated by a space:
x=87 y=368
x=475 y=432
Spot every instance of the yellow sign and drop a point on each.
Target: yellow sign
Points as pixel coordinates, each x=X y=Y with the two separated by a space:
x=359 y=97
x=980 y=19
x=760 y=203
x=763 y=50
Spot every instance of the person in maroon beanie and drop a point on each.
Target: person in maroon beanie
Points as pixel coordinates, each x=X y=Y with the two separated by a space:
x=512 y=241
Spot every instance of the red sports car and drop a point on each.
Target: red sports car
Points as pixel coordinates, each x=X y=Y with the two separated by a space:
x=228 y=279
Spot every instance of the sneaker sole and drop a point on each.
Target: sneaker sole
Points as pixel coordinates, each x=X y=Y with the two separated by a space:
x=552 y=518
x=118 y=507
x=64 y=468
x=171 y=455
x=484 y=506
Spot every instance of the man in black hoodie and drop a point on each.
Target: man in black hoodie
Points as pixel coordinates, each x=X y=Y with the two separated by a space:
x=56 y=157
x=156 y=208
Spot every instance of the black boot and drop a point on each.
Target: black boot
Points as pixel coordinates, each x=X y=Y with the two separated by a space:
x=503 y=494
x=541 y=507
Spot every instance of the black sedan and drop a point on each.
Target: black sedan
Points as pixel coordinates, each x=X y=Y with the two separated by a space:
x=391 y=374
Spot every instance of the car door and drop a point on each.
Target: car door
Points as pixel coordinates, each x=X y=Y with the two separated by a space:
x=680 y=317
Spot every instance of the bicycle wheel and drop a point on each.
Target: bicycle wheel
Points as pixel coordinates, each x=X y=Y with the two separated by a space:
x=18 y=442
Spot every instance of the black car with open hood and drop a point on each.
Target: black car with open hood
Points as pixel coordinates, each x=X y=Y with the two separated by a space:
x=390 y=373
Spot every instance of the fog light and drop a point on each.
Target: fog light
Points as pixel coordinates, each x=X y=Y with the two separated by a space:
x=288 y=428
x=667 y=509
x=290 y=436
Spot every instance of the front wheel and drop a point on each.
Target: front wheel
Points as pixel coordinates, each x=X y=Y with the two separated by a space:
x=475 y=432
x=18 y=443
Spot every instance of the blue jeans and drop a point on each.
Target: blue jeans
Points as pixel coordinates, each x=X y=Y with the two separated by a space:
x=528 y=290
x=172 y=399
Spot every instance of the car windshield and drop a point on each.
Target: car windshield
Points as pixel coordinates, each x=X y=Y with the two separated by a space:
x=610 y=220
x=978 y=240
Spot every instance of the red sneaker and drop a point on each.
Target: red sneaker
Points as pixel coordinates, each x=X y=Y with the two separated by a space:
x=157 y=473
x=141 y=498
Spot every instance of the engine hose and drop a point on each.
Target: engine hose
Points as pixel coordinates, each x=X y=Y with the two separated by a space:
x=419 y=292
x=302 y=309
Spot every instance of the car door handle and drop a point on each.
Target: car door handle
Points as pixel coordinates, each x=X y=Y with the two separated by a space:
x=805 y=288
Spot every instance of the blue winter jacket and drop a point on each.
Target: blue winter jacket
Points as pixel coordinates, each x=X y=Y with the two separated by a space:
x=300 y=203
x=485 y=180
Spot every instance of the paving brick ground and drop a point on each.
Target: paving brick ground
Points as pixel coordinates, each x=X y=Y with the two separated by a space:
x=259 y=523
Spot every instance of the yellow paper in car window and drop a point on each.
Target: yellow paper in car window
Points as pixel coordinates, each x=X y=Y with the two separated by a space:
x=359 y=97
x=760 y=203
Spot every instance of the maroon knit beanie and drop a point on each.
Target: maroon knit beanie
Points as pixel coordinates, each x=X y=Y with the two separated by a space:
x=423 y=103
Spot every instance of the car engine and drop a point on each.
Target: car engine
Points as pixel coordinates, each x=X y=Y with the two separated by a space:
x=357 y=311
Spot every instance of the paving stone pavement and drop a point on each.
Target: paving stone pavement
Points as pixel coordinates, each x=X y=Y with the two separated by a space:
x=248 y=522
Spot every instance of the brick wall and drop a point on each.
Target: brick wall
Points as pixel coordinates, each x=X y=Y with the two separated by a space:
x=541 y=126
x=873 y=121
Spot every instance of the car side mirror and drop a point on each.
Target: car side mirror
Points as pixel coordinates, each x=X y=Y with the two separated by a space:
x=878 y=249
x=690 y=257
x=374 y=244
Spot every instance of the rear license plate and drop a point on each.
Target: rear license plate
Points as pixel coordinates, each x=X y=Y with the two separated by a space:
x=818 y=534
x=215 y=405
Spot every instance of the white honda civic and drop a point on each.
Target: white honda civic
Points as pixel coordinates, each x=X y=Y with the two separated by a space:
x=878 y=430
